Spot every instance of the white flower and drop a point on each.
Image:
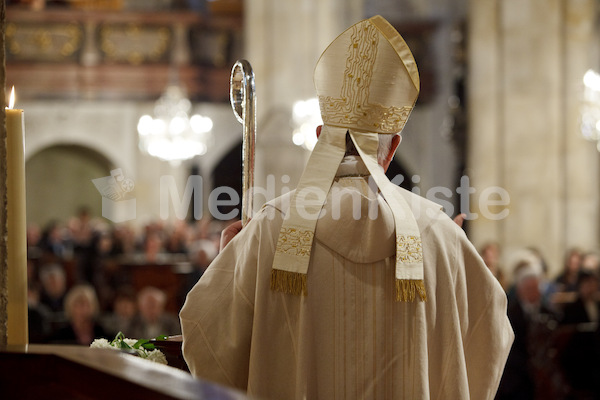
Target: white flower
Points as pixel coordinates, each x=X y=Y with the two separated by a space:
x=157 y=356
x=101 y=344
x=130 y=342
x=152 y=355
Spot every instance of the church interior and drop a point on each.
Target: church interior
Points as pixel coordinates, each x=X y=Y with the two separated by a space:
x=506 y=130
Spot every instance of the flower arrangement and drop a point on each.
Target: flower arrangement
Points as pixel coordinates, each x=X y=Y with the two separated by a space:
x=142 y=348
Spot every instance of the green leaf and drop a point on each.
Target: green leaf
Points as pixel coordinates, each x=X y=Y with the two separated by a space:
x=148 y=346
x=139 y=343
x=161 y=337
x=124 y=345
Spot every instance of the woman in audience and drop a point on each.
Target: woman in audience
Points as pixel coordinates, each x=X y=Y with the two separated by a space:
x=580 y=358
x=567 y=280
x=81 y=309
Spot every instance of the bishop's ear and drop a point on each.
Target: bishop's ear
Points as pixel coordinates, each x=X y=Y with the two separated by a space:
x=319 y=130
x=396 y=140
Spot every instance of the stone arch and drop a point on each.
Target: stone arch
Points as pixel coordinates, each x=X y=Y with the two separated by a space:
x=59 y=182
x=228 y=173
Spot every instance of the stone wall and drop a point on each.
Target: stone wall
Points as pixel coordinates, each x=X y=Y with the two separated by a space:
x=526 y=61
x=109 y=130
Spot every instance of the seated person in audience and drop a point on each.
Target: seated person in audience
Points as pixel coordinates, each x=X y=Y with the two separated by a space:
x=152 y=320
x=591 y=262
x=563 y=289
x=124 y=240
x=523 y=260
x=178 y=239
x=54 y=287
x=201 y=252
x=567 y=280
x=38 y=315
x=154 y=249
x=528 y=316
x=81 y=309
x=490 y=253
x=55 y=242
x=123 y=312
x=580 y=358
x=586 y=307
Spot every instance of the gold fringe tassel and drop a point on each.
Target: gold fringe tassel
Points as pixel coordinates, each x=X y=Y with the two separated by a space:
x=288 y=282
x=406 y=290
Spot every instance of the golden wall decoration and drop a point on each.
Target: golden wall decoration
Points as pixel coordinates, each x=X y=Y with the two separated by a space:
x=135 y=44
x=97 y=4
x=43 y=42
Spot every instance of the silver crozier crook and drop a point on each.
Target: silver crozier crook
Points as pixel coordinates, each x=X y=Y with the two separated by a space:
x=243 y=101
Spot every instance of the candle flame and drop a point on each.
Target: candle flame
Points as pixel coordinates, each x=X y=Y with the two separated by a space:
x=11 y=102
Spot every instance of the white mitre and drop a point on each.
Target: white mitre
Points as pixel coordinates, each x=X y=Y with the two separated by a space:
x=367 y=82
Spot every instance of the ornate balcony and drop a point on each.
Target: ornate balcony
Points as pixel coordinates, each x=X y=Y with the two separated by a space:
x=67 y=53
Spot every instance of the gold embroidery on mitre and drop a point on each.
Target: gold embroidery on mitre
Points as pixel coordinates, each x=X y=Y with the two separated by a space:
x=409 y=249
x=295 y=241
x=353 y=107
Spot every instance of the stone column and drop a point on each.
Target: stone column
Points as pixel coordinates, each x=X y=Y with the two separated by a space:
x=283 y=40
x=582 y=188
x=526 y=62
x=90 y=54
x=484 y=147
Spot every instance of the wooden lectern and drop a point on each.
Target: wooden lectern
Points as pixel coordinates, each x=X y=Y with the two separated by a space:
x=78 y=372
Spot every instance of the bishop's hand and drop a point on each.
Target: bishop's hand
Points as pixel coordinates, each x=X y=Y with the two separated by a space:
x=229 y=233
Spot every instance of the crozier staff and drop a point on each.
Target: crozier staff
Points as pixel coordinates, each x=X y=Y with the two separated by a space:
x=243 y=101
x=365 y=292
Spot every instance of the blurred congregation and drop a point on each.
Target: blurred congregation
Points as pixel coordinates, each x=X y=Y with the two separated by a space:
x=83 y=285
x=88 y=279
x=556 y=352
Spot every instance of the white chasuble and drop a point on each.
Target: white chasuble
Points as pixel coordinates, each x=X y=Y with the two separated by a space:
x=349 y=338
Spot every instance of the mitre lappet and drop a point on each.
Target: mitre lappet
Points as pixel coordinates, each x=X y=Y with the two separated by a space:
x=367 y=83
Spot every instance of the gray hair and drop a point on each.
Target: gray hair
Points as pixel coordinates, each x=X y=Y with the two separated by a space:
x=385 y=145
x=49 y=270
x=85 y=291
x=383 y=149
x=151 y=291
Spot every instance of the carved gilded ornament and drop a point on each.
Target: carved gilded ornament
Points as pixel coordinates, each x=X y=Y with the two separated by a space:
x=134 y=44
x=48 y=42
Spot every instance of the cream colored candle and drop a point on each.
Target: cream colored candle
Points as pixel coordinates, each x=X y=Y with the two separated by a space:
x=17 y=238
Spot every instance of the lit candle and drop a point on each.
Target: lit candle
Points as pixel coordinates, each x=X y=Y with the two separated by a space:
x=17 y=238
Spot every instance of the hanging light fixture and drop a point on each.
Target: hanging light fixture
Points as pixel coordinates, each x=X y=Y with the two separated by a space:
x=590 y=108
x=171 y=134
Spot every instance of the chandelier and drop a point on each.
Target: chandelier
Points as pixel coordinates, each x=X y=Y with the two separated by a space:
x=171 y=134
x=590 y=108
